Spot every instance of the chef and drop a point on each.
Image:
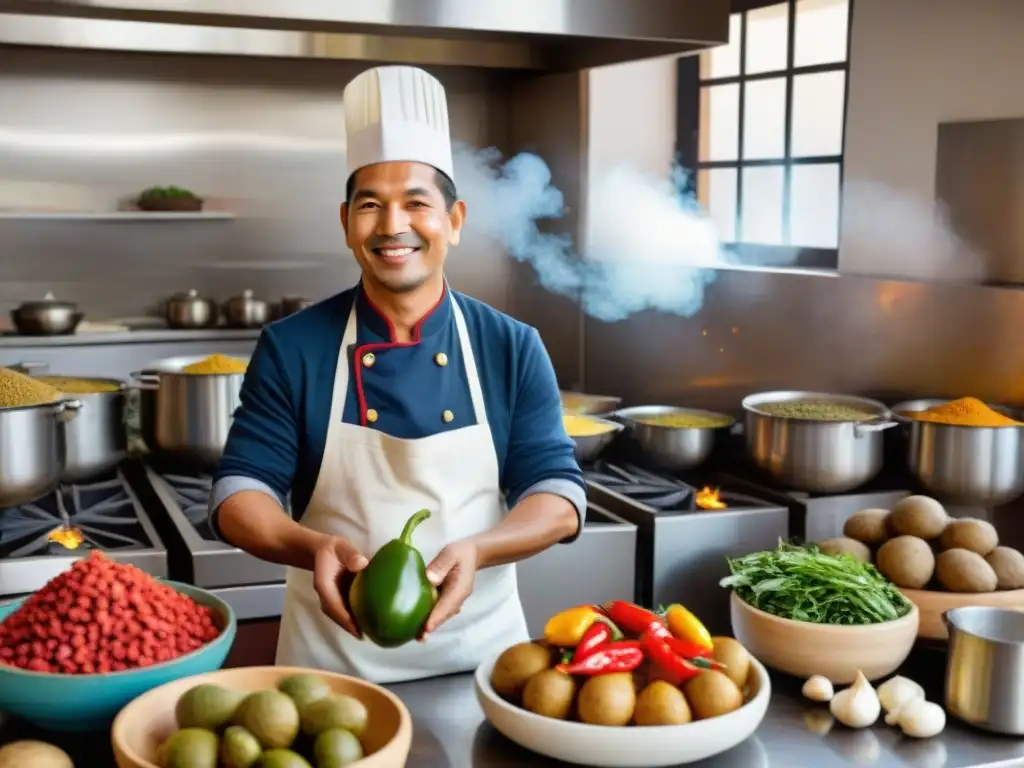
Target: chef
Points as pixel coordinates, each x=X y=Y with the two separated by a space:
x=396 y=395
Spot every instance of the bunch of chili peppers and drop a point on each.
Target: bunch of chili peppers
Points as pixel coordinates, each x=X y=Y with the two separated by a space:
x=674 y=640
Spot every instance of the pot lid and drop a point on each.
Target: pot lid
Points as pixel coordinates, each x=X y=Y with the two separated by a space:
x=49 y=301
x=245 y=297
x=190 y=295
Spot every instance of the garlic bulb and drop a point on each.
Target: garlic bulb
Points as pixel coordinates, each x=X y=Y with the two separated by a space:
x=918 y=719
x=856 y=706
x=818 y=688
x=897 y=691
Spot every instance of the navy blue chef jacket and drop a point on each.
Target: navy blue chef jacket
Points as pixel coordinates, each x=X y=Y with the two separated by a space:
x=277 y=440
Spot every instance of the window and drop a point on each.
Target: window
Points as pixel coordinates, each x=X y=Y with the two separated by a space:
x=762 y=120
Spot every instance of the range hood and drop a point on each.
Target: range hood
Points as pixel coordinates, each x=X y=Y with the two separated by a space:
x=544 y=35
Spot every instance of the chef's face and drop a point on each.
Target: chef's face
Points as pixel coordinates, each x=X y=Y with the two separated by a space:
x=399 y=223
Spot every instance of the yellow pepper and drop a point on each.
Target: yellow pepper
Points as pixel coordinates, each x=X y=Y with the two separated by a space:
x=567 y=628
x=685 y=626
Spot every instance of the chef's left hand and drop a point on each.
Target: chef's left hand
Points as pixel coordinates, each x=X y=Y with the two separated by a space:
x=452 y=572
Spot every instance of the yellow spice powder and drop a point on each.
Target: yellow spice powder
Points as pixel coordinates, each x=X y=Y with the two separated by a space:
x=80 y=386
x=17 y=389
x=215 y=364
x=581 y=426
x=967 y=412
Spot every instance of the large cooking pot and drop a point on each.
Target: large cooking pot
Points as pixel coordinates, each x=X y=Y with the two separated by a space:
x=96 y=441
x=816 y=456
x=964 y=465
x=32 y=450
x=187 y=416
x=676 y=449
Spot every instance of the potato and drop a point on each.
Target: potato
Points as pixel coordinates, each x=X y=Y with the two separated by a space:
x=607 y=700
x=550 y=693
x=920 y=516
x=661 y=703
x=711 y=693
x=960 y=570
x=1008 y=564
x=844 y=546
x=970 y=534
x=868 y=526
x=734 y=656
x=516 y=666
x=906 y=561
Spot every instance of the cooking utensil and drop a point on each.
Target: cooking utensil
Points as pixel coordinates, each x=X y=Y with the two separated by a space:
x=48 y=317
x=190 y=310
x=33 y=450
x=672 y=448
x=289 y=305
x=935 y=604
x=90 y=702
x=960 y=464
x=816 y=456
x=186 y=415
x=577 y=402
x=589 y=447
x=246 y=311
x=96 y=441
x=985 y=668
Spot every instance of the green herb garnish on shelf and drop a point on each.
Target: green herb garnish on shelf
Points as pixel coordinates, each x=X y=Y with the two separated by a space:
x=166 y=193
x=805 y=584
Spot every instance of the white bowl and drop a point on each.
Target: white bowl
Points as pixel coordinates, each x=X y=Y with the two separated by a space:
x=631 y=746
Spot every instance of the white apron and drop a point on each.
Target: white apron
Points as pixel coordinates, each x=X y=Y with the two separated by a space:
x=368 y=486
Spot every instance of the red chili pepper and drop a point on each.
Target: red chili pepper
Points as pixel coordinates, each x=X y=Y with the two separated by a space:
x=667 y=660
x=686 y=649
x=601 y=632
x=623 y=656
x=636 y=620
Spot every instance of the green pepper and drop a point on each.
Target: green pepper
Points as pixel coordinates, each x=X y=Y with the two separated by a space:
x=391 y=598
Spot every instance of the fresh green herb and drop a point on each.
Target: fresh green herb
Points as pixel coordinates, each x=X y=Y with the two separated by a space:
x=805 y=584
x=166 y=192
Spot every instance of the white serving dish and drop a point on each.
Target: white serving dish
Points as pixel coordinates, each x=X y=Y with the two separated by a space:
x=631 y=746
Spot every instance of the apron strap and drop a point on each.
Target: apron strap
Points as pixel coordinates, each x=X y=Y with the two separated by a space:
x=476 y=391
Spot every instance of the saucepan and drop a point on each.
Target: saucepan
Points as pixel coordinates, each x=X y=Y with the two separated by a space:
x=985 y=668
x=665 y=435
x=187 y=416
x=33 y=450
x=962 y=464
x=816 y=455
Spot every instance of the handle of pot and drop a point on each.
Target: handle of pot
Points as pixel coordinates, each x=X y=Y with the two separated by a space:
x=28 y=367
x=66 y=410
x=143 y=380
x=877 y=424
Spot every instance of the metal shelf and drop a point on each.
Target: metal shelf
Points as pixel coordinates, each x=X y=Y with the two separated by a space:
x=145 y=216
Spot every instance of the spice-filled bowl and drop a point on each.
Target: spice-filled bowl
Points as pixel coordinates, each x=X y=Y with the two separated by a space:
x=81 y=702
x=964 y=451
x=806 y=612
x=676 y=439
x=590 y=434
x=592 y=405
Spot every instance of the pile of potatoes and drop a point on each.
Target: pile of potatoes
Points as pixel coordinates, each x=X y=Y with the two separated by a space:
x=917 y=545
x=526 y=675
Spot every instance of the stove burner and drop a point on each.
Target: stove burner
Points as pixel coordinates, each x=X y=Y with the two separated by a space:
x=659 y=492
x=101 y=514
x=192 y=494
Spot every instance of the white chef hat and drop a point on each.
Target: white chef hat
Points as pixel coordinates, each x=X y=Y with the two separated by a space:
x=397 y=114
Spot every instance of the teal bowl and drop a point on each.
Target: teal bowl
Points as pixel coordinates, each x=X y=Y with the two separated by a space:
x=90 y=702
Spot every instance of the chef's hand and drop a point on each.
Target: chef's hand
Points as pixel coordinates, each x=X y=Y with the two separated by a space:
x=332 y=559
x=452 y=572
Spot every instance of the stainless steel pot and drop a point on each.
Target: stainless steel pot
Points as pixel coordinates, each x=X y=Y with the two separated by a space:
x=96 y=441
x=187 y=416
x=673 y=448
x=589 y=447
x=190 y=310
x=964 y=465
x=816 y=456
x=985 y=668
x=246 y=311
x=32 y=450
x=48 y=317
x=289 y=305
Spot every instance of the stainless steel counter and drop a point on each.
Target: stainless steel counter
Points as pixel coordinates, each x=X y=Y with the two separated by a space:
x=450 y=732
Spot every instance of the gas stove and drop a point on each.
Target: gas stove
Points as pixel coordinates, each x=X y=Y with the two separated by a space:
x=43 y=538
x=252 y=586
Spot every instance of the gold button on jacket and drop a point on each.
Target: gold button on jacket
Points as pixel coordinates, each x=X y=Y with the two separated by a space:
x=448 y=416
x=369 y=359
x=371 y=415
x=441 y=359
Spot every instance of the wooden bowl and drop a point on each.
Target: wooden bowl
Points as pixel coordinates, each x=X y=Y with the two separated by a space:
x=141 y=726
x=803 y=649
x=933 y=604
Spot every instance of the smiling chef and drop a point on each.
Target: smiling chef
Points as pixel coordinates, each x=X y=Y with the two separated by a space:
x=392 y=396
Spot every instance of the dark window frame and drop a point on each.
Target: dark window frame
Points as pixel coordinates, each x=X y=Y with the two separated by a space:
x=688 y=103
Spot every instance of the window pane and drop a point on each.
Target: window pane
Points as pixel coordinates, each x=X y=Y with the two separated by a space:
x=821 y=32
x=716 y=189
x=818 y=106
x=762 y=206
x=764 y=119
x=724 y=61
x=767 y=39
x=814 y=205
x=719 y=122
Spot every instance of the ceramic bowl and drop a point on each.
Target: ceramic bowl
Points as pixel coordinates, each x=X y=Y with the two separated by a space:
x=88 y=702
x=142 y=725
x=631 y=746
x=933 y=604
x=802 y=649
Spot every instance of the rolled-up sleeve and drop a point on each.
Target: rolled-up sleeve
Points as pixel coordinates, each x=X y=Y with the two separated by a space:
x=261 y=453
x=541 y=455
